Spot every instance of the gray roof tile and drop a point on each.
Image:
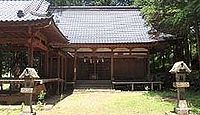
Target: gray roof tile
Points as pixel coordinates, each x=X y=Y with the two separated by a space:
x=33 y=10
x=102 y=25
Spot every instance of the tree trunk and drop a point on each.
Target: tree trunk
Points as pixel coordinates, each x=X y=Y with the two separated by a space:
x=196 y=27
x=187 y=51
x=179 y=51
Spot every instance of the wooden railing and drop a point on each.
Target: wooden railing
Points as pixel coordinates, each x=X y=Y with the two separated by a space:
x=41 y=81
x=133 y=83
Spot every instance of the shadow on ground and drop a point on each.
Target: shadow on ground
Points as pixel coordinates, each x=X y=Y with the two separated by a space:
x=53 y=100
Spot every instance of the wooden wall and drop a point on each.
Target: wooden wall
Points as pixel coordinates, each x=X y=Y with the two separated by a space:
x=134 y=69
x=86 y=69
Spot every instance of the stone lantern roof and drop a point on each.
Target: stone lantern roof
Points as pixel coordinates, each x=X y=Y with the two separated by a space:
x=180 y=67
x=29 y=73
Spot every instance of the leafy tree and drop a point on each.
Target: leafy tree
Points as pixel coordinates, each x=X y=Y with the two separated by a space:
x=177 y=17
x=92 y=2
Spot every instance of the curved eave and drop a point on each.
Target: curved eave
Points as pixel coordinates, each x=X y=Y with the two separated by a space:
x=54 y=35
x=25 y=22
x=58 y=30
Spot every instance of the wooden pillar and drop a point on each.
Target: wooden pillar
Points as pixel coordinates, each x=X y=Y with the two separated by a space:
x=50 y=66
x=30 y=47
x=65 y=70
x=46 y=64
x=75 y=66
x=58 y=66
x=94 y=59
x=111 y=67
x=148 y=66
x=62 y=73
x=58 y=74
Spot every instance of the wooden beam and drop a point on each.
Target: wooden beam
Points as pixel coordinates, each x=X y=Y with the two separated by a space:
x=111 y=45
x=36 y=43
x=19 y=42
x=41 y=37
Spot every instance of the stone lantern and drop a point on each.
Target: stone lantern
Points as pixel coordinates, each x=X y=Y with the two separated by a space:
x=180 y=70
x=29 y=74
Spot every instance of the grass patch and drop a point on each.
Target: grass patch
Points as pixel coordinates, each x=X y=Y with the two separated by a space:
x=192 y=97
x=140 y=103
x=10 y=111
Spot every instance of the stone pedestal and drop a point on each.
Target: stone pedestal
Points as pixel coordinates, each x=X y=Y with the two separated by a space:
x=182 y=108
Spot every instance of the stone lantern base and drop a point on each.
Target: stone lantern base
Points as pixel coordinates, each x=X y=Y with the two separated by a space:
x=172 y=113
x=182 y=108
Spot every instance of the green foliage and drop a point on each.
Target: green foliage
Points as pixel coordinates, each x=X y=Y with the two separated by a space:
x=177 y=17
x=10 y=60
x=192 y=97
x=39 y=106
x=92 y=2
x=42 y=96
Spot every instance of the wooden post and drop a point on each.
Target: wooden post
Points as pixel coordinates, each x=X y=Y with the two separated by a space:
x=112 y=62
x=148 y=66
x=151 y=85
x=132 y=87
x=58 y=74
x=62 y=72
x=50 y=67
x=47 y=64
x=30 y=47
x=65 y=70
x=95 y=68
x=75 y=66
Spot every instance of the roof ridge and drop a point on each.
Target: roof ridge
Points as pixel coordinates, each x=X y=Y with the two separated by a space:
x=95 y=7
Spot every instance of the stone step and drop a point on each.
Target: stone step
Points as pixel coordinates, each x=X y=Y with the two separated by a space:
x=94 y=84
x=93 y=81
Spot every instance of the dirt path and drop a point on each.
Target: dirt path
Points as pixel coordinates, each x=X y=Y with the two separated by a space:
x=102 y=103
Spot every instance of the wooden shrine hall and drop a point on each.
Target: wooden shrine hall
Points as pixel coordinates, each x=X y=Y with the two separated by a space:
x=27 y=37
x=110 y=45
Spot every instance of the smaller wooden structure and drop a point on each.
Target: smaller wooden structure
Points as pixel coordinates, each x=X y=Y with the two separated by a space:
x=29 y=34
x=180 y=70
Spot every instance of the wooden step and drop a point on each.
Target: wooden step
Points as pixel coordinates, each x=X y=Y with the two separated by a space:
x=93 y=84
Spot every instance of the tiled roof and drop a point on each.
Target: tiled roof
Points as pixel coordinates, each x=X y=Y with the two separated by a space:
x=32 y=9
x=105 y=25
